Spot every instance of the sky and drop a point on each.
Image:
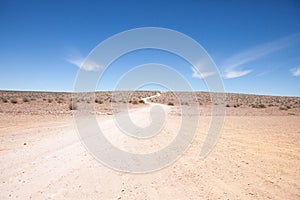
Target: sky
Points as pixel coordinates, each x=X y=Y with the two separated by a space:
x=254 y=44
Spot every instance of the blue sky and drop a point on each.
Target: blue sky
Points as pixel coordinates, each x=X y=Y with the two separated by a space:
x=255 y=44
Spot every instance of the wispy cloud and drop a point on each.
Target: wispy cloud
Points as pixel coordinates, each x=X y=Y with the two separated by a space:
x=201 y=75
x=87 y=65
x=235 y=74
x=80 y=61
x=295 y=71
x=234 y=66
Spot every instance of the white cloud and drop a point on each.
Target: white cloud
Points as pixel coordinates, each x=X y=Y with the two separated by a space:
x=76 y=58
x=295 y=71
x=87 y=65
x=201 y=75
x=233 y=66
x=236 y=74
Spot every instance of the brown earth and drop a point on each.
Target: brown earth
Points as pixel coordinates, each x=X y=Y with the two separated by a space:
x=256 y=157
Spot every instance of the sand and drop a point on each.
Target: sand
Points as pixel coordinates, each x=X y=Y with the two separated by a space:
x=256 y=157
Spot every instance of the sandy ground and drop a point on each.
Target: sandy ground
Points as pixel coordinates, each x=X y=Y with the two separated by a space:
x=256 y=157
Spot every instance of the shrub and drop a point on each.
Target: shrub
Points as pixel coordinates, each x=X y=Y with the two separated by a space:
x=227 y=105
x=59 y=100
x=141 y=101
x=258 y=106
x=72 y=106
x=50 y=100
x=283 y=108
x=14 y=101
x=98 y=101
x=4 y=100
x=170 y=104
x=134 y=102
x=25 y=99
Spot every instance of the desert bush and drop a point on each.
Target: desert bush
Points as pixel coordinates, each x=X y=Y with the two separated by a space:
x=72 y=106
x=170 y=104
x=227 y=105
x=283 y=108
x=185 y=103
x=134 y=102
x=4 y=100
x=25 y=99
x=14 y=101
x=50 y=100
x=262 y=106
x=141 y=101
x=59 y=100
x=258 y=106
x=98 y=101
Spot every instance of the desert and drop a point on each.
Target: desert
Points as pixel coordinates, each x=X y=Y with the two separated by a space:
x=256 y=156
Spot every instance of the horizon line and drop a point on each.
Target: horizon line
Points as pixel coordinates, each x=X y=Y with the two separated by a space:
x=53 y=91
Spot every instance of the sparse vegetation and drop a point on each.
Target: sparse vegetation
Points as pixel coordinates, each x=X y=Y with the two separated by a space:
x=98 y=101
x=14 y=101
x=59 y=100
x=141 y=101
x=135 y=102
x=25 y=99
x=185 y=103
x=204 y=99
x=72 y=106
x=284 y=107
x=258 y=106
x=4 y=100
x=170 y=104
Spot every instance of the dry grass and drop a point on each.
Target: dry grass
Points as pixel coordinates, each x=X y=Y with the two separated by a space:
x=58 y=103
